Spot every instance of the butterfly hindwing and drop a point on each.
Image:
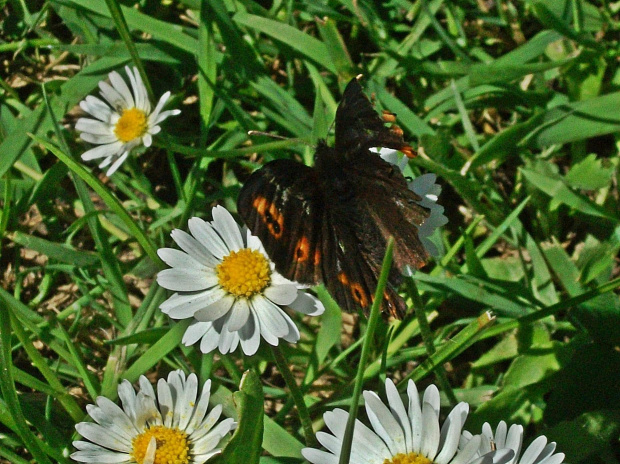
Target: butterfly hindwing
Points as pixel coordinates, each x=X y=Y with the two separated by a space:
x=351 y=272
x=392 y=208
x=281 y=205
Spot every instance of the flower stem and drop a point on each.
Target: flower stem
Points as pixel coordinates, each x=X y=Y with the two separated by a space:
x=298 y=397
x=427 y=337
x=345 y=451
x=123 y=30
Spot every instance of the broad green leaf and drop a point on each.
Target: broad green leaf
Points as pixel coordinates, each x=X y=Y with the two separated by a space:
x=336 y=47
x=589 y=382
x=532 y=367
x=512 y=405
x=590 y=174
x=578 y=121
x=56 y=251
x=504 y=72
x=504 y=299
x=588 y=436
x=245 y=445
x=562 y=194
x=328 y=336
x=504 y=350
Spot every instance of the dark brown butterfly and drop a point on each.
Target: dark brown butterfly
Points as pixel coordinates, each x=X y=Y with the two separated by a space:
x=330 y=223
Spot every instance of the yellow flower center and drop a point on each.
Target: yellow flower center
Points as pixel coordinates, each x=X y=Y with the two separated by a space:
x=172 y=445
x=244 y=273
x=131 y=125
x=410 y=458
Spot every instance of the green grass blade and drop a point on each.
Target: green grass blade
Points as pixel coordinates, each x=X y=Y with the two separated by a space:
x=111 y=201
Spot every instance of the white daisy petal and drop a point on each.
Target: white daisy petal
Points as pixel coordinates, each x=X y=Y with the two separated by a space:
x=211 y=339
x=397 y=409
x=124 y=120
x=228 y=288
x=201 y=410
x=249 y=335
x=408 y=431
x=192 y=246
x=292 y=335
x=224 y=223
x=183 y=280
x=239 y=314
x=112 y=96
x=384 y=423
x=138 y=90
x=111 y=149
x=98 y=139
x=228 y=340
x=319 y=457
x=206 y=235
x=195 y=332
x=96 y=108
x=511 y=439
x=93 y=127
x=216 y=309
x=147 y=140
x=117 y=164
x=118 y=83
x=163 y=116
x=282 y=294
x=468 y=453
x=182 y=306
x=102 y=456
x=270 y=317
x=308 y=304
x=104 y=436
x=180 y=405
x=160 y=104
x=451 y=432
x=176 y=258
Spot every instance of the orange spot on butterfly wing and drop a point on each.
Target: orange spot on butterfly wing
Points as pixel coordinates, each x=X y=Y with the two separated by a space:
x=357 y=291
x=359 y=294
x=317 y=257
x=408 y=151
x=396 y=130
x=388 y=116
x=260 y=204
x=269 y=214
x=302 y=250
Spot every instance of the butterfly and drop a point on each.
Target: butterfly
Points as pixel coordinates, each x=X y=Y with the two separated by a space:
x=331 y=223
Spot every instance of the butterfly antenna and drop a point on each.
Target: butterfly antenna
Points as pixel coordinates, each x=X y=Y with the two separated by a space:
x=279 y=137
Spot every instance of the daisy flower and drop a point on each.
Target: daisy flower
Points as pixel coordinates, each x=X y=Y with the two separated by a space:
x=224 y=280
x=123 y=121
x=403 y=433
x=170 y=427
x=425 y=187
x=539 y=451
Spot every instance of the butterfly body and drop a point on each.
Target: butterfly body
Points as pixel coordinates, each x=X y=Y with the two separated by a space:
x=330 y=223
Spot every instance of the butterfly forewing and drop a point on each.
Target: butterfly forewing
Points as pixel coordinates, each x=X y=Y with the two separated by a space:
x=280 y=204
x=359 y=127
